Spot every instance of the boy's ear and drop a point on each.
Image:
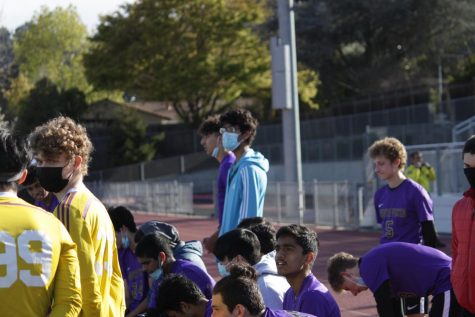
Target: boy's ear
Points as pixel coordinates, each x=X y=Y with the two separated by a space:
x=23 y=176
x=77 y=161
x=310 y=258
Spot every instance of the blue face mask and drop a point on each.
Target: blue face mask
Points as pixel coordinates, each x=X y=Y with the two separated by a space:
x=222 y=270
x=124 y=239
x=359 y=281
x=157 y=273
x=230 y=140
x=215 y=152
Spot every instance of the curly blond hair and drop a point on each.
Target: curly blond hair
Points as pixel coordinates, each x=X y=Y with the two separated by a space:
x=62 y=135
x=390 y=148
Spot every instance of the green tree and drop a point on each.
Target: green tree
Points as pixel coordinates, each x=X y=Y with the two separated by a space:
x=363 y=47
x=45 y=101
x=52 y=45
x=201 y=55
x=131 y=144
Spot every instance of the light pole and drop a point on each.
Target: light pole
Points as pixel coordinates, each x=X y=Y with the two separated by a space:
x=285 y=97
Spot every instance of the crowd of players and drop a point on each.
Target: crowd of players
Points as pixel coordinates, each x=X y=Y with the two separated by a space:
x=69 y=256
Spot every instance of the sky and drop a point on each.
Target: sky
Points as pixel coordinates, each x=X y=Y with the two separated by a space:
x=14 y=13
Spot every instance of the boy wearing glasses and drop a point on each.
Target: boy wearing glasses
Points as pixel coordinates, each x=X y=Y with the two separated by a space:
x=247 y=177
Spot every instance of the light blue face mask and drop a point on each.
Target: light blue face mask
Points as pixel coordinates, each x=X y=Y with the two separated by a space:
x=359 y=281
x=230 y=140
x=157 y=273
x=124 y=239
x=215 y=152
x=222 y=270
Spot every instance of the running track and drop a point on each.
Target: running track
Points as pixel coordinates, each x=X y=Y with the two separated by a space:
x=331 y=241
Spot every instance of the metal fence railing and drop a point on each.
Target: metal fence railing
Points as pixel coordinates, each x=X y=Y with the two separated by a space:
x=146 y=196
x=332 y=204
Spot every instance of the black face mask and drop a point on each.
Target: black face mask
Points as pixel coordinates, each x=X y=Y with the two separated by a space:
x=51 y=178
x=470 y=174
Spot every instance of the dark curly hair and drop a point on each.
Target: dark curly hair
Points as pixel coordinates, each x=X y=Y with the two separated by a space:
x=243 y=119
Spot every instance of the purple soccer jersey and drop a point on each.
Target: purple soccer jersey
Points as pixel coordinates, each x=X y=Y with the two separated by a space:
x=313 y=298
x=190 y=270
x=209 y=309
x=137 y=282
x=283 y=313
x=413 y=270
x=224 y=166
x=48 y=207
x=401 y=210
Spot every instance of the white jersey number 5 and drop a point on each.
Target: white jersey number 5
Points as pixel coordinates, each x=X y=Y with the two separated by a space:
x=39 y=261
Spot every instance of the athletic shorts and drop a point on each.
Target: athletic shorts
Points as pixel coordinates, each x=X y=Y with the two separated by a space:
x=445 y=305
x=411 y=305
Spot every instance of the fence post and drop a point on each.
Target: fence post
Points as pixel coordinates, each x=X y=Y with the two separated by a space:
x=315 y=200
x=335 y=205
x=142 y=171
x=438 y=172
x=279 y=205
x=347 y=201
x=360 y=204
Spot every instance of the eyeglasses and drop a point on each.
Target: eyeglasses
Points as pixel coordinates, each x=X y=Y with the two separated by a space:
x=228 y=129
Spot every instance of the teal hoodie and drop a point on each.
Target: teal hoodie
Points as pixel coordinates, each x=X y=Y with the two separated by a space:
x=245 y=190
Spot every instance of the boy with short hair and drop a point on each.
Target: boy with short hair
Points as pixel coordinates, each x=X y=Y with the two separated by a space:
x=242 y=246
x=156 y=257
x=62 y=151
x=40 y=271
x=178 y=296
x=42 y=198
x=135 y=280
x=211 y=142
x=297 y=248
x=396 y=272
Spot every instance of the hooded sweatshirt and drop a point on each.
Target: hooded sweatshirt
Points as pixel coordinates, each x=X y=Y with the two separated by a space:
x=271 y=285
x=245 y=191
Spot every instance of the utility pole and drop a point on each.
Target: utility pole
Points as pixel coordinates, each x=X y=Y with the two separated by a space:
x=285 y=97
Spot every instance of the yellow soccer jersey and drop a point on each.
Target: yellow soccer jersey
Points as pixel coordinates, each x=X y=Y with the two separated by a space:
x=91 y=229
x=38 y=262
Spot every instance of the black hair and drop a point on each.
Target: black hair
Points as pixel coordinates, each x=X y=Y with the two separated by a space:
x=236 y=242
x=31 y=177
x=469 y=146
x=240 y=287
x=151 y=246
x=414 y=154
x=209 y=126
x=122 y=216
x=14 y=158
x=264 y=231
x=303 y=236
x=243 y=119
x=174 y=289
x=251 y=221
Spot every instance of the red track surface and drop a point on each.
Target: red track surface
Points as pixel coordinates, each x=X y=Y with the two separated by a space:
x=331 y=241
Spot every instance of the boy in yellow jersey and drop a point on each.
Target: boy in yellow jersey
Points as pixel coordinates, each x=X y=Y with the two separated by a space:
x=62 y=150
x=39 y=269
